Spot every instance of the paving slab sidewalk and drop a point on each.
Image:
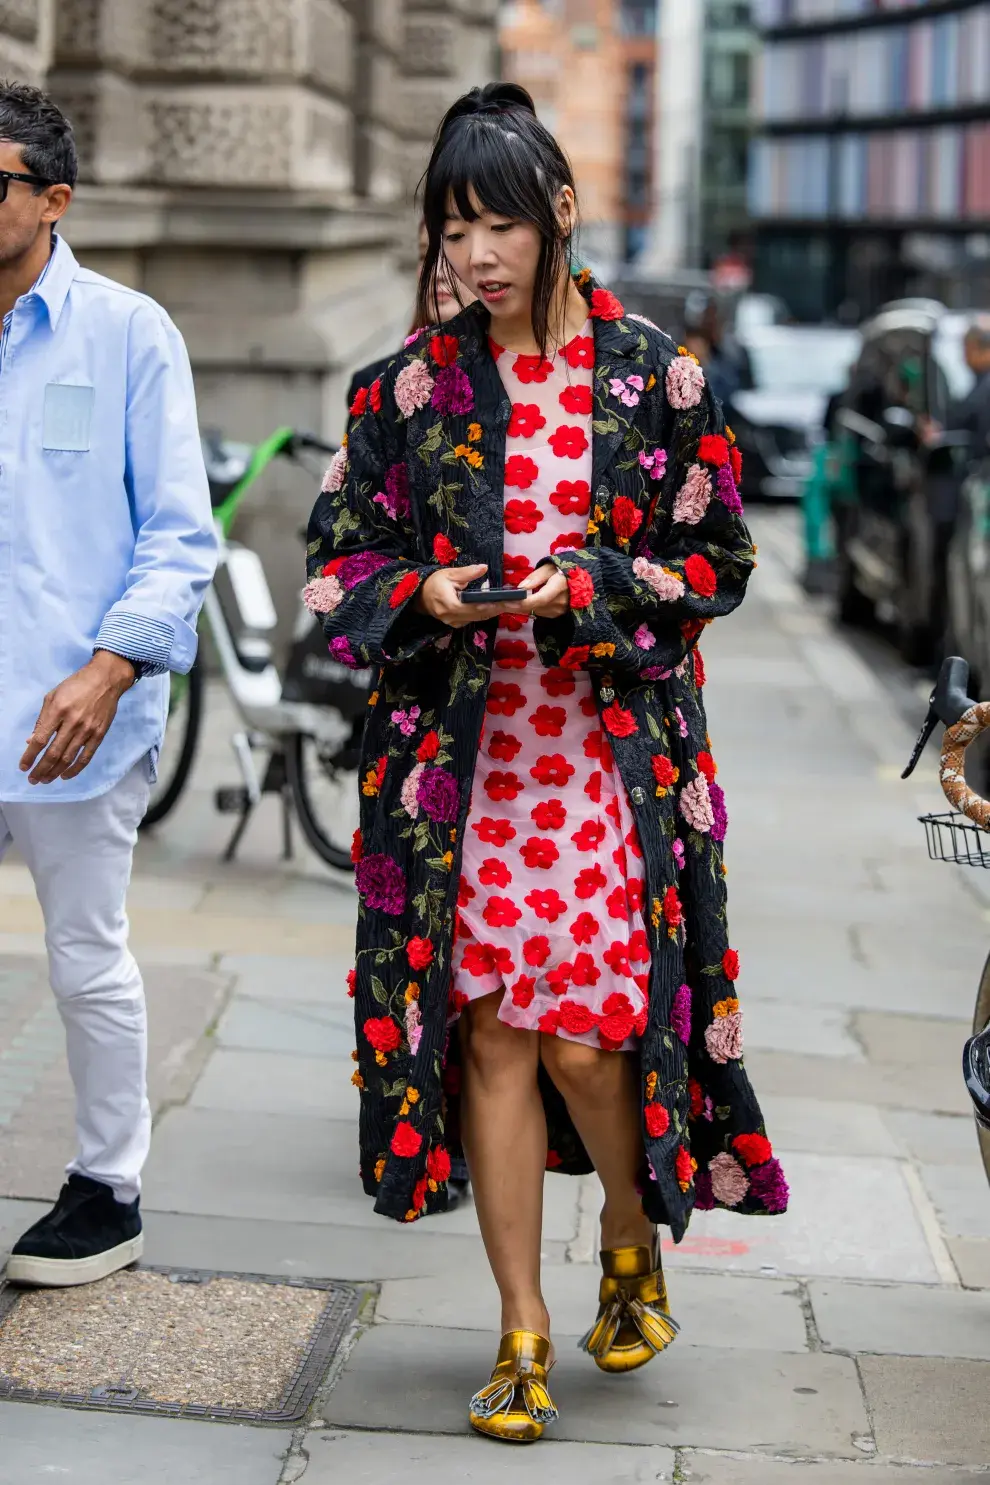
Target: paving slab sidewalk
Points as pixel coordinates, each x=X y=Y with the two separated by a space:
x=829 y=1346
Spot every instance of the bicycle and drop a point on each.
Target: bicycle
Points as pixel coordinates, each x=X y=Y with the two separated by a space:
x=309 y=724
x=961 y=836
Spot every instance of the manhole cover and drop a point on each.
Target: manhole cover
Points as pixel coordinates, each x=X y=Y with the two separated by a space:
x=191 y=1344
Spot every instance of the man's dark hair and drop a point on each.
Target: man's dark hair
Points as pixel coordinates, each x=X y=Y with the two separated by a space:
x=29 y=118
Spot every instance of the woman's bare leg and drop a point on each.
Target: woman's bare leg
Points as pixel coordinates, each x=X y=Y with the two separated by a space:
x=601 y=1090
x=504 y=1130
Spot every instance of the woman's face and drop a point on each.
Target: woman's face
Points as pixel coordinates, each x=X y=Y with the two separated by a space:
x=496 y=257
x=451 y=299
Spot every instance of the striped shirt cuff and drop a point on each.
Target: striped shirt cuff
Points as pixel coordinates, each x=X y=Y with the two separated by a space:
x=146 y=642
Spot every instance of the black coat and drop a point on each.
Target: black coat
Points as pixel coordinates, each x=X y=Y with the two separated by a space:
x=422 y=485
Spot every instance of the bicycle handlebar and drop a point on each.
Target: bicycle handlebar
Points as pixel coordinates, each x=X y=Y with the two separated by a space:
x=964 y=720
x=310 y=441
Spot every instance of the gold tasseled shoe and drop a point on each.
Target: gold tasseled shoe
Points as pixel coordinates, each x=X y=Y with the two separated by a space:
x=634 y=1322
x=516 y=1406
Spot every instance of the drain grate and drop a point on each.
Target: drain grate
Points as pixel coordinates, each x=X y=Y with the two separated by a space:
x=181 y=1343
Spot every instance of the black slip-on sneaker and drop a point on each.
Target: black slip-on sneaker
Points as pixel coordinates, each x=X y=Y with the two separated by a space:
x=87 y=1235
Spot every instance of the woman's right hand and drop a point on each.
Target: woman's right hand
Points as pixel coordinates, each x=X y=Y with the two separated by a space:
x=440 y=597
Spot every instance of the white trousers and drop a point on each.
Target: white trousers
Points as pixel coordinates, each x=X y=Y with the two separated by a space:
x=80 y=855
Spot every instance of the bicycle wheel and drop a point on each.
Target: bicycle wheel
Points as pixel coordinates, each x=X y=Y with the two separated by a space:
x=981 y=1017
x=185 y=716
x=325 y=792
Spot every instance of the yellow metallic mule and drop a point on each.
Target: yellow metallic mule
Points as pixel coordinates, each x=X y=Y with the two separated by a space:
x=516 y=1406
x=634 y=1322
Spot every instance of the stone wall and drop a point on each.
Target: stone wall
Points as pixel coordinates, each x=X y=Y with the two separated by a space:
x=250 y=163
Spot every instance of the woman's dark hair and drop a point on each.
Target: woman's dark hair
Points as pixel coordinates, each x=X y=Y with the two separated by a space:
x=491 y=142
x=30 y=119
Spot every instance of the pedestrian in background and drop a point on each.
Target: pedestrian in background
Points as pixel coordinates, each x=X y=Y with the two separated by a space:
x=107 y=545
x=542 y=971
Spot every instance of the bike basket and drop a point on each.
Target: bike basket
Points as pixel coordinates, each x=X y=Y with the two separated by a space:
x=951 y=837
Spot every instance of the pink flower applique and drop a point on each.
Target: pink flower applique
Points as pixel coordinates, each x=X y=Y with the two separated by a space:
x=414 y=1029
x=413 y=388
x=666 y=585
x=406 y=721
x=644 y=637
x=627 y=391
x=411 y=339
x=642 y=320
x=334 y=477
x=677 y=851
x=685 y=382
x=682 y=726
x=443 y=643
x=696 y=806
x=407 y=795
x=322 y=595
x=694 y=496
x=480 y=639
x=723 y=1038
x=729 y=1180
x=655 y=464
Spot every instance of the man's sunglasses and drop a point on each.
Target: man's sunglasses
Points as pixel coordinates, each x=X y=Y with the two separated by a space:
x=8 y=175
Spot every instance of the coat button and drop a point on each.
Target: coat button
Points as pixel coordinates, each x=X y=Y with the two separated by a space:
x=601 y=494
x=638 y=797
x=607 y=694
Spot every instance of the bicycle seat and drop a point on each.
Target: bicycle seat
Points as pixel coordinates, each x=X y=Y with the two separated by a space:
x=226 y=464
x=976 y=1071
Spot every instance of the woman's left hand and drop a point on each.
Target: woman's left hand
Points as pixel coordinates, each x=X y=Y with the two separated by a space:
x=549 y=595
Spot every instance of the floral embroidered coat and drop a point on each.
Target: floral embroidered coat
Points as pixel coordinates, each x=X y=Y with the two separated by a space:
x=420 y=485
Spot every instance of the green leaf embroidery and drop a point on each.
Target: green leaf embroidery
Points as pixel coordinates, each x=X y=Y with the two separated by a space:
x=378 y=990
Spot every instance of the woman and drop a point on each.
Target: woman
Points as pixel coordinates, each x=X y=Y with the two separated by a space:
x=539 y=858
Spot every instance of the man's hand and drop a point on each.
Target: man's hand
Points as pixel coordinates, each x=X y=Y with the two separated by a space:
x=75 y=717
x=440 y=597
x=549 y=595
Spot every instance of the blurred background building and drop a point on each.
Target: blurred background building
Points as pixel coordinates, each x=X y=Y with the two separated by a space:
x=251 y=164
x=870 y=178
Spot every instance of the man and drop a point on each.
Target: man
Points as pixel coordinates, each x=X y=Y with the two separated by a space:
x=106 y=548
x=971 y=414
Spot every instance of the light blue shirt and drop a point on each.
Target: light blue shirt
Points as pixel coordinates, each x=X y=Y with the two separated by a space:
x=106 y=533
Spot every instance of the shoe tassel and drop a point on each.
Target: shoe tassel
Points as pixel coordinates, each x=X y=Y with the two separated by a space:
x=657 y=1329
x=515 y=1405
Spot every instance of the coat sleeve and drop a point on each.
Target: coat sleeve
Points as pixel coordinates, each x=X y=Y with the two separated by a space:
x=362 y=557
x=637 y=607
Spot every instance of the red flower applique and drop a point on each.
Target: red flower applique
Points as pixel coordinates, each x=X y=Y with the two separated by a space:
x=465 y=892
x=730 y=964
x=512 y=654
x=547 y=903
x=588 y=705
x=501 y=912
x=616 y=956
x=523 y=990
x=360 y=404
x=619 y=721
x=664 y=771
x=406 y=1140
x=549 y=814
x=494 y=873
x=514 y=569
x=706 y=765
x=589 y=881
x=559 y=978
x=580 y=352
x=617 y=903
x=501 y=785
x=443 y=349
x=404 y=588
x=701 y=575
x=574 y=657
x=593 y=788
x=539 y=855
x=672 y=907
x=683 y=1168
x=503 y=746
x=548 y=721
x=577 y=400
x=584 y=928
x=572 y=497
x=639 y=949
x=575 y=1018
x=549 y=1024
x=357 y=848
x=568 y=442
x=512 y=621
x=699 y=670
x=478 y=960
x=525 y=421
x=697 y=1099
x=754 y=1148
x=736 y=460
x=626 y=518
x=505 y=698
x=428 y=748
x=522 y=515
x=713 y=449
x=557 y=681
x=531 y=369
x=438 y=1165
x=590 y=836
x=351 y=982
x=597 y=746
x=584 y=970
x=496 y=349
x=382 y=1033
x=552 y=770
x=493 y=832
x=443 y=549
x=375 y=395
x=419 y=952
x=536 y=951
x=617 y=1020
x=567 y=541
x=657 y=1120
x=521 y=471
x=605 y=306
x=582 y=590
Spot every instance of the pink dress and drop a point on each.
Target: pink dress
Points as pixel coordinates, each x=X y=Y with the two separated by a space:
x=552 y=888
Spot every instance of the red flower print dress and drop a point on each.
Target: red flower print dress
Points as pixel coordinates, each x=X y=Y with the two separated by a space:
x=552 y=885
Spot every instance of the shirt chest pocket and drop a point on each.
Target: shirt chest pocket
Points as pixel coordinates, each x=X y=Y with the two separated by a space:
x=68 y=417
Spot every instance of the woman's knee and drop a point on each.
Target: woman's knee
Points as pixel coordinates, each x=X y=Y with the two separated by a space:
x=580 y=1070
x=493 y=1051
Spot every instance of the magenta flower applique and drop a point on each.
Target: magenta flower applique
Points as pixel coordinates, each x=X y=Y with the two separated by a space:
x=720 y=817
x=413 y=388
x=452 y=393
x=381 y=883
x=729 y=1180
x=696 y=806
x=685 y=382
x=725 y=489
x=680 y=1012
x=694 y=496
x=340 y=649
x=438 y=795
x=396 y=494
x=677 y=851
x=361 y=566
x=768 y=1185
x=644 y=637
x=406 y=721
x=334 y=478
x=704 y=1200
x=322 y=595
x=655 y=464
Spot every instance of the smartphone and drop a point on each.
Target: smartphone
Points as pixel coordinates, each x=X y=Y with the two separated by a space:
x=493 y=595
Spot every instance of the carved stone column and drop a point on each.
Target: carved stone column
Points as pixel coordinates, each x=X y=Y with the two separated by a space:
x=23 y=39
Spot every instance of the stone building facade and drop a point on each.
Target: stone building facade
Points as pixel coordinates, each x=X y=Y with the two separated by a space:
x=251 y=164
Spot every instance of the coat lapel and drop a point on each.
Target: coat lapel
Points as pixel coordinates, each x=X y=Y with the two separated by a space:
x=615 y=344
x=484 y=491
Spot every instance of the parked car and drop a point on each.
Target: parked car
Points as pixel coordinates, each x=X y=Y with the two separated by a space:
x=777 y=421
x=893 y=524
